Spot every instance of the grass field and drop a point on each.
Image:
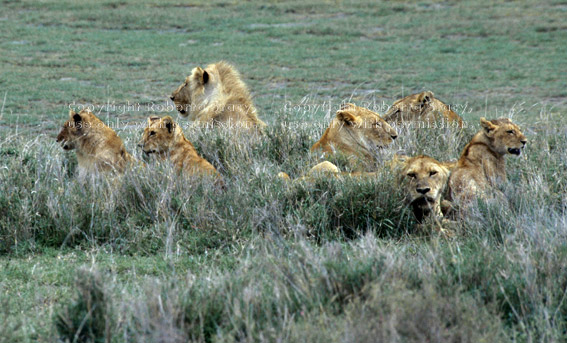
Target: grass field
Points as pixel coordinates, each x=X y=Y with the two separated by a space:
x=148 y=257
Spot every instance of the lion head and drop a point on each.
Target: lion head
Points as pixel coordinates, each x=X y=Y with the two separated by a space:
x=159 y=135
x=363 y=130
x=425 y=180
x=191 y=91
x=421 y=107
x=504 y=136
x=356 y=130
x=74 y=128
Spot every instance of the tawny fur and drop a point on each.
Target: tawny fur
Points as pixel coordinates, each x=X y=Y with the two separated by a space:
x=216 y=95
x=356 y=131
x=165 y=138
x=421 y=108
x=97 y=146
x=323 y=168
x=482 y=164
x=424 y=180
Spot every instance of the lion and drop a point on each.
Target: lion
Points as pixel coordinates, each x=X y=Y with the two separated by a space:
x=97 y=146
x=421 y=107
x=356 y=131
x=424 y=180
x=482 y=165
x=323 y=168
x=216 y=95
x=164 y=138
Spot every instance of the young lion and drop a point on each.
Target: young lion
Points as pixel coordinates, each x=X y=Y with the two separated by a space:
x=482 y=163
x=215 y=95
x=356 y=131
x=165 y=138
x=422 y=107
x=97 y=146
x=425 y=180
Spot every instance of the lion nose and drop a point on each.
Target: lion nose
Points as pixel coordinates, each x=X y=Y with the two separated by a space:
x=423 y=190
x=524 y=141
x=172 y=97
x=394 y=136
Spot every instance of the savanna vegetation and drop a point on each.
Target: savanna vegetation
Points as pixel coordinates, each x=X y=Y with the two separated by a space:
x=150 y=257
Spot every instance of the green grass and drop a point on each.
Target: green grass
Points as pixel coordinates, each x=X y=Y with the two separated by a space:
x=150 y=257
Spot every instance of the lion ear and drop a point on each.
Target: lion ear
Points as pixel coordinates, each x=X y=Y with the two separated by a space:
x=152 y=119
x=78 y=120
x=201 y=75
x=398 y=162
x=168 y=123
x=347 y=117
x=205 y=77
x=425 y=97
x=487 y=125
x=347 y=106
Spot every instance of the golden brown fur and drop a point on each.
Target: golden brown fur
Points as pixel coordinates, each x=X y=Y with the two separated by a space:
x=421 y=107
x=356 y=131
x=215 y=95
x=424 y=180
x=165 y=138
x=482 y=164
x=97 y=146
x=323 y=168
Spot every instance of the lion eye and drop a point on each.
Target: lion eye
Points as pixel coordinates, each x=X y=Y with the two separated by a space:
x=412 y=175
x=510 y=132
x=431 y=173
x=152 y=133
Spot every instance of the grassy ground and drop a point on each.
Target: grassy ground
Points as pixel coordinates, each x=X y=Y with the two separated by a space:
x=147 y=257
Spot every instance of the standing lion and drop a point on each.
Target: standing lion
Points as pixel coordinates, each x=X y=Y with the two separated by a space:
x=216 y=95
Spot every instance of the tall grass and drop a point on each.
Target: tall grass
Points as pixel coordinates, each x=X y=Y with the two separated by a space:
x=327 y=260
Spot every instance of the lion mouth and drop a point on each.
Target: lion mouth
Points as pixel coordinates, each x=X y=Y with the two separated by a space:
x=422 y=201
x=65 y=146
x=515 y=151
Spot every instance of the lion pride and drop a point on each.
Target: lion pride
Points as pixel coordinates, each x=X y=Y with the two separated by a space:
x=165 y=138
x=421 y=107
x=215 y=95
x=356 y=131
x=482 y=164
x=97 y=146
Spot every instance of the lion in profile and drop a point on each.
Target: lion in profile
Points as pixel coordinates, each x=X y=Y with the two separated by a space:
x=482 y=165
x=164 y=138
x=216 y=95
x=422 y=108
x=356 y=131
x=97 y=146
